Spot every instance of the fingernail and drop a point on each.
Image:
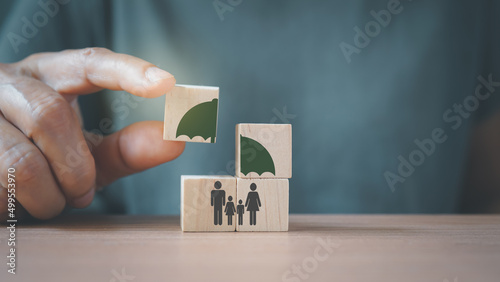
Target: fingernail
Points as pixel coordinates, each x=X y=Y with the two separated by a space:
x=84 y=200
x=154 y=74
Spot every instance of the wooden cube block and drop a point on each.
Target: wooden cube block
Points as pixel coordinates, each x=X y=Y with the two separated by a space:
x=208 y=203
x=262 y=204
x=191 y=114
x=263 y=150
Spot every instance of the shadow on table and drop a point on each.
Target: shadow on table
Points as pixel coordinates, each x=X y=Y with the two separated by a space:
x=333 y=225
x=105 y=222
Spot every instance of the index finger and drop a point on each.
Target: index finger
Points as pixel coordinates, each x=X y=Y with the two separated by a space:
x=88 y=70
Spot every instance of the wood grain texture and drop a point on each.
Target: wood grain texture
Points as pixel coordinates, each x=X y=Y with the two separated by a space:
x=276 y=138
x=178 y=102
x=272 y=215
x=372 y=248
x=197 y=210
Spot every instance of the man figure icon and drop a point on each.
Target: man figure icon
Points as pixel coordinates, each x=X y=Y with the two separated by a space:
x=218 y=200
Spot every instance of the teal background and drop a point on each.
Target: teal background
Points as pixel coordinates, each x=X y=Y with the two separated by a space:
x=350 y=121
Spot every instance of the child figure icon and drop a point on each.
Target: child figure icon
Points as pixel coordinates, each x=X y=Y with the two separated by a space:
x=253 y=203
x=230 y=210
x=240 y=209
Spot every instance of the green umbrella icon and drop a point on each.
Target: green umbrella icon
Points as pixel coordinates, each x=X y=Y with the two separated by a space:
x=254 y=157
x=200 y=120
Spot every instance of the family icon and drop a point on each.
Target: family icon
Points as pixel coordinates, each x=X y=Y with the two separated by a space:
x=218 y=201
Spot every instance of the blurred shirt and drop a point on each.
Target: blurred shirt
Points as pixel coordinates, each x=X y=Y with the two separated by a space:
x=357 y=86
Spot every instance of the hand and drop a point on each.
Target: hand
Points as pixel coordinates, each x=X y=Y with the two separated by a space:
x=40 y=124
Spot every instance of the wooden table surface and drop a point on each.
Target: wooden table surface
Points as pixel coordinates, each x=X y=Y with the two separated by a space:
x=317 y=248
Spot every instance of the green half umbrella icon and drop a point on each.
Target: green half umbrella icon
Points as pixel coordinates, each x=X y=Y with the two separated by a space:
x=200 y=120
x=254 y=157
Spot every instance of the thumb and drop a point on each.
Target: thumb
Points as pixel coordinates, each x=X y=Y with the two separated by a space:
x=135 y=148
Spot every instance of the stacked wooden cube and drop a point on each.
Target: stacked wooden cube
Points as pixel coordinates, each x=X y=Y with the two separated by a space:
x=256 y=198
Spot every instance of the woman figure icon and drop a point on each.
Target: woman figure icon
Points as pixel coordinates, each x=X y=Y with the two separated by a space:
x=253 y=203
x=230 y=210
